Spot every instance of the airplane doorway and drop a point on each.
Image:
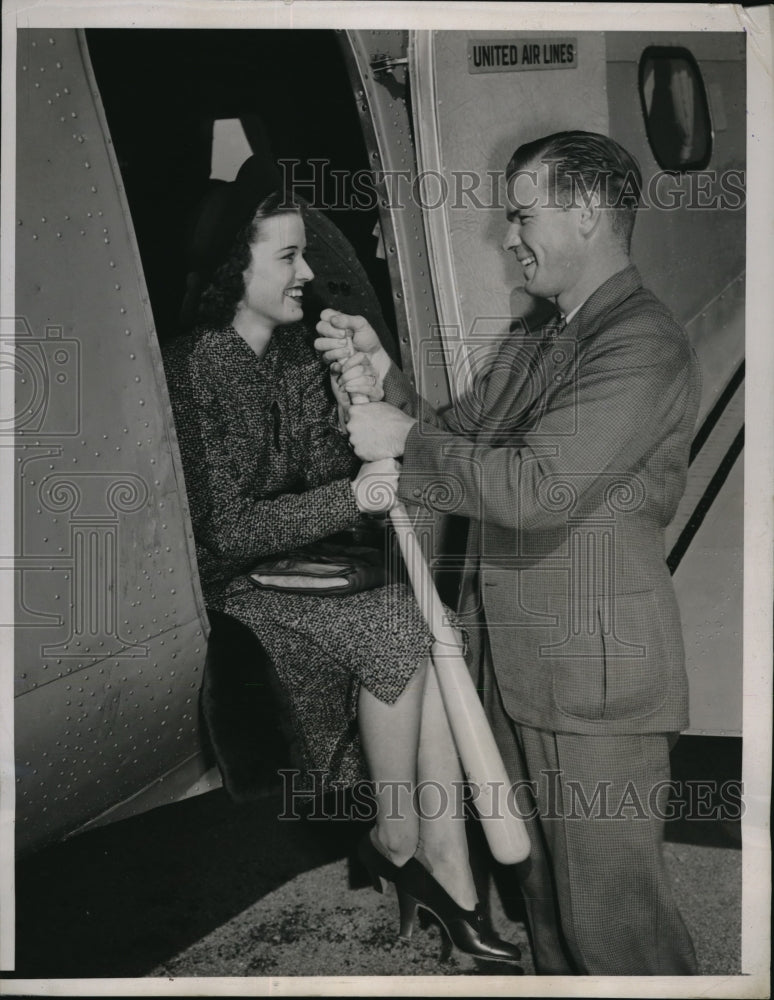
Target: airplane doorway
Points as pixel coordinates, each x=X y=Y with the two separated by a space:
x=185 y=107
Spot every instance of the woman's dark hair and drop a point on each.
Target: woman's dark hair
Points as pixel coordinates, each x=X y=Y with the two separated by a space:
x=226 y=286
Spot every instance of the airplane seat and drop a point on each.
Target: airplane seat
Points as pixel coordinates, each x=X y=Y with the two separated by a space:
x=198 y=229
x=340 y=280
x=245 y=734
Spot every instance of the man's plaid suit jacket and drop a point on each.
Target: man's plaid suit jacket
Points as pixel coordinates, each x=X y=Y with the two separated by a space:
x=569 y=459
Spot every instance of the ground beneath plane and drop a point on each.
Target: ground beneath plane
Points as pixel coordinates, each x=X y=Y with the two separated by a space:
x=210 y=888
x=313 y=926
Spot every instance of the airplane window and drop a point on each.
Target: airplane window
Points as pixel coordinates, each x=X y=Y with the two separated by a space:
x=675 y=108
x=230 y=148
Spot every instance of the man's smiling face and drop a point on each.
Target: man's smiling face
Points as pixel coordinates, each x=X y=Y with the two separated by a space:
x=544 y=235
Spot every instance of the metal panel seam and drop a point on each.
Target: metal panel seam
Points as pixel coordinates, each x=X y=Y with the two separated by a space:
x=111 y=656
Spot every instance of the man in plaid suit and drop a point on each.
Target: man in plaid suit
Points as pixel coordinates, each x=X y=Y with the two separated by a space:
x=569 y=462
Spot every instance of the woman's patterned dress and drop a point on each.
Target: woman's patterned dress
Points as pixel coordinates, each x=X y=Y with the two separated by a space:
x=267 y=470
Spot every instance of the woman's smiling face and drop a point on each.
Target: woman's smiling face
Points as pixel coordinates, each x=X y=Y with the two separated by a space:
x=277 y=271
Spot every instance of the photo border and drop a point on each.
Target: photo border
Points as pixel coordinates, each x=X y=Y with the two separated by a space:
x=759 y=469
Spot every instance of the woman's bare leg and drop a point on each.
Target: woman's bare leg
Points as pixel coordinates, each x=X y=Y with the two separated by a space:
x=442 y=836
x=407 y=745
x=389 y=735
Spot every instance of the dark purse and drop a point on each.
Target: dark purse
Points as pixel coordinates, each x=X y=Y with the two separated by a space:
x=329 y=567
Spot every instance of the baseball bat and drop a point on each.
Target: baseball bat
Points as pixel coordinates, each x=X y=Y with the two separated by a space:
x=479 y=755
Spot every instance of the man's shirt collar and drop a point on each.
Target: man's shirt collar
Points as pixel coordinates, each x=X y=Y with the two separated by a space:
x=568 y=318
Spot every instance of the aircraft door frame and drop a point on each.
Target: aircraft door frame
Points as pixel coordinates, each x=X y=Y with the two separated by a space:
x=377 y=64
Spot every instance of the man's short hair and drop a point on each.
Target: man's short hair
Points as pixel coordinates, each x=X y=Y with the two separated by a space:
x=581 y=163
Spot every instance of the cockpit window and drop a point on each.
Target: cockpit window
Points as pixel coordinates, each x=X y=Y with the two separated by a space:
x=674 y=104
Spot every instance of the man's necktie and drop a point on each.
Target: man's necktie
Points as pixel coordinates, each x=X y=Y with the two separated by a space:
x=555 y=327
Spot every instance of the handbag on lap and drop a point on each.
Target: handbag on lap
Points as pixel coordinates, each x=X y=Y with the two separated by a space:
x=329 y=567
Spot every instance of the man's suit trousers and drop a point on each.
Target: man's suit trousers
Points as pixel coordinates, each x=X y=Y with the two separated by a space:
x=597 y=897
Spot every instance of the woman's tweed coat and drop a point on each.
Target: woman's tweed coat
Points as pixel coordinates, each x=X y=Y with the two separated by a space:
x=267 y=470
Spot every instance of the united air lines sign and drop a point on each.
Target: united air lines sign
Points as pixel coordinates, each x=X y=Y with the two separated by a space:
x=499 y=55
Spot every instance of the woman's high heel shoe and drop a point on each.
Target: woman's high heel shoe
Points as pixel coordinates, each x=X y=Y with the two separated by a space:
x=467 y=930
x=377 y=865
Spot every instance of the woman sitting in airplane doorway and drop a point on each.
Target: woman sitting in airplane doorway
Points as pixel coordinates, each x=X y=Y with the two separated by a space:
x=268 y=470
